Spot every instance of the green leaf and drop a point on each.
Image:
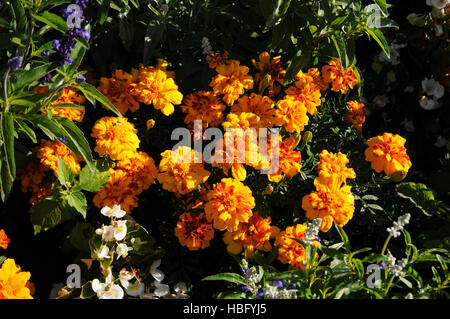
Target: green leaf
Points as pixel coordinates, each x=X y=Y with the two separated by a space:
x=91 y=91
x=344 y=237
x=103 y=13
x=379 y=38
x=2 y=259
x=22 y=78
x=300 y=61
x=67 y=106
x=86 y=291
x=422 y=197
x=77 y=56
x=65 y=174
x=382 y=5
x=19 y=20
x=126 y=33
x=8 y=162
x=279 y=8
x=375 y=207
x=23 y=127
x=228 y=276
x=93 y=180
x=369 y=197
x=52 y=20
x=45 y=214
x=78 y=201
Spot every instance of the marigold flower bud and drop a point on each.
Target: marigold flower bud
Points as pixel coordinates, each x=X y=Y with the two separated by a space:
x=307 y=137
x=150 y=123
x=265 y=83
x=398 y=176
x=268 y=190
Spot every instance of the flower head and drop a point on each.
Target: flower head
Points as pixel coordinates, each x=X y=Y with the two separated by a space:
x=204 y=106
x=49 y=151
x=180 y=173
x=340 y=81
x=333 y=170
x=387 y=152
x=194 y=231
x=271 y=67
x=4 y=240
x=290 y=251
x=117 y=90
x=15 y=63
x=293 y=115
x=355 y=115
x=232 y=81
x=141 y=168
x=306 y=92
x=261 y=106
x=288 y=160
x=216 y=59
x=255 y=234
x=13 y=282
x=229 y=203
x=115 y=211
x=116 y=137
x=156 y=86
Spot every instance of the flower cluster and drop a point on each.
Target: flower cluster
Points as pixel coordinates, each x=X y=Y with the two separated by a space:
x=387 y=152
x=434 y=91
x=402 y=221
x=332 y=201
x=14 y=282
x=48 y=153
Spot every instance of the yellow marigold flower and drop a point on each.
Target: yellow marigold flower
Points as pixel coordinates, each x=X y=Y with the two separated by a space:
x=332 y=204
x=120 y=190
x=232 y=81
x=116 y=137
x=340 y=81
x=243 y=120
x=48 y=154
x=255 y=234
x=290 y=251
x=69 y=95
x=356 y=115
x=141 y=168
x=13 y=281
x=273 y=68
x=204 y=106
x=4 y=240
x=31 y=176
x=228 y=204
x=117 y=90
x=387 y=152
x=292 y=114
x=216 y=59
x=288 y=160
x=333 y=170
x=262 y=106
x=179 y=172
x=305 y=91
x=194 y=231
x=318 y=79
x=43 y=191
x=157 y=87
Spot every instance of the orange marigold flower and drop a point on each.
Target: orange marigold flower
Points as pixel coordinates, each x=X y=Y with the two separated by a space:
x=288 y=160
x=216 y=59
x=13 y=281
x=356 y=115
x=204 y=106
x=232 y=81
x=181 y=171
x=31 y=176
x=340 y=81
x=228 y=204
x=290 y=251
x=292 y=114
x=194 y=231
x=305 y=91
x=318 y=79
x=119 y=190
x=262 y=106
x=255 y=234
x=69 y=95
x=116 y=137
x=273 y=68
x=4 y=240
x=243 y=120
x=331 y=204
x=48 y=154
x=333 y=170
x=156 y=86
x=387 y=152
x=42 y=192
x=141 y=168
x=117 y=90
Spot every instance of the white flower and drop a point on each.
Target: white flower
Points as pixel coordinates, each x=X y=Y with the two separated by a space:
x=156 y=273
x=120 y=230
x=103 y=252
x=206 y=46
x=397 y=269
x=122 y=250
x=438 y=4
x=381 y=100
x=440 y=142
x=427 y=103
x=125 y=276
x=115 y=211
x=408 y=124
x=433 y=88
x=161 y=289
x=107 y=233
x=135 y=289
x=181 y=289
x=113 y=292
x=402 y=221
x=312 y=231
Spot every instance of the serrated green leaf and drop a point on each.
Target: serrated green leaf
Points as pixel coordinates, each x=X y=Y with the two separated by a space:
x=65 y=174
x=78 y=201
x=45 y=214
x=93 y=180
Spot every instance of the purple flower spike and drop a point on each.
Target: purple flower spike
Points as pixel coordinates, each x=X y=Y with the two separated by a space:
x=245 y=289
x=259 y=295
x=278 y=283
x=382 y=266
x=46 y=52
x=15 y=63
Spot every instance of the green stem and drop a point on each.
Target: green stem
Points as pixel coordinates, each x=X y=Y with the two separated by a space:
x=389 y=285
x=385 y=244
x=6 y=89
